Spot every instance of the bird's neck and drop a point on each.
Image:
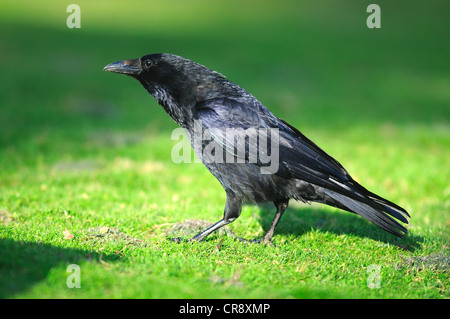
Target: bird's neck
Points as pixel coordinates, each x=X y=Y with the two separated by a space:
x=171 y=106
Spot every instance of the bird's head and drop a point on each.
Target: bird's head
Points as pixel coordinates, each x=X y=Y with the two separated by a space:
x=175 y=82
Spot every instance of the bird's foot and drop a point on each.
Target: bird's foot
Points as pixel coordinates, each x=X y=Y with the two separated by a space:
x=181 y=240
x=262 y=241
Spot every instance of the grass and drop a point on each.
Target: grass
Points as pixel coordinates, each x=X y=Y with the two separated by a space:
x=86 y=176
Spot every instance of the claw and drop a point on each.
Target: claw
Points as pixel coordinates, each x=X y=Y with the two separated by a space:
x=255 y=241
x=179 y=240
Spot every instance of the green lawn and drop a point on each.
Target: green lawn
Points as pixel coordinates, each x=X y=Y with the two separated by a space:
x=86 y=175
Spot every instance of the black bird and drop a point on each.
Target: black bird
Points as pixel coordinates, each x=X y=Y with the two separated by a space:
x=194 y=95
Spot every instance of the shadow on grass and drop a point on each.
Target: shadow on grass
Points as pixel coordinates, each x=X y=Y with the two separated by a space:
x=24 y=264
x=297 y=221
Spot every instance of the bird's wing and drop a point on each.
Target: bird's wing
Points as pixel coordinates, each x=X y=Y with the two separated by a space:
x=234 y=126
x=298 y=157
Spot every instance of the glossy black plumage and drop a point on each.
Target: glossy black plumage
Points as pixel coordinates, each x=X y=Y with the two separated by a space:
x=191 y=93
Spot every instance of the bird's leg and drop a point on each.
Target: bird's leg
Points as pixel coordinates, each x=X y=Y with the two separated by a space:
x=281 y=207
x=200 y=236
x=267 y=239
x=233 y=208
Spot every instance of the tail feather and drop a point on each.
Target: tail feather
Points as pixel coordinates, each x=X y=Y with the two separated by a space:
x=401 y=215
x=373 y=212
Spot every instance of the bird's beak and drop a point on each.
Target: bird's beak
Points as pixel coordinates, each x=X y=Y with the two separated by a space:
x=130 y=67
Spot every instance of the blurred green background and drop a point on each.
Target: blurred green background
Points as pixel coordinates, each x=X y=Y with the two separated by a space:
x=81 y=148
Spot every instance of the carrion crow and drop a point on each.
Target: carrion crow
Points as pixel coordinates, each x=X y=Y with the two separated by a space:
x=256 y=156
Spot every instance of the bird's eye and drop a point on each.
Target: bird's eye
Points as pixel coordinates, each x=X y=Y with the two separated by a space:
x=148 y=63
